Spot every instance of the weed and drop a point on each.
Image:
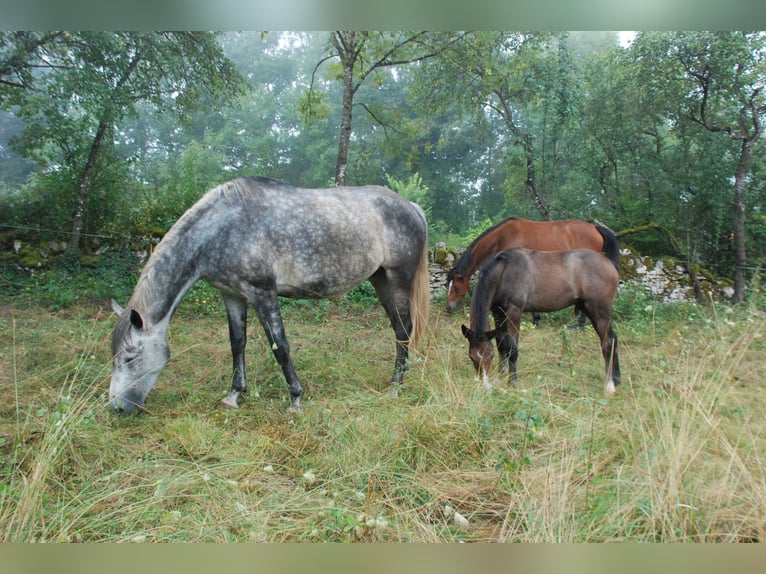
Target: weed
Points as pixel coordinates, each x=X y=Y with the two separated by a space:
x=674 y=456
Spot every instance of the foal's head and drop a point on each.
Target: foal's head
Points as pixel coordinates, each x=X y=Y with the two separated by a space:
x=481 y=351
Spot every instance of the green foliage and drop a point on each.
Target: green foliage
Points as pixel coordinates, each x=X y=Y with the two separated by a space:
x=494 y=124
x=363 y=295
x=413 y=190
x=184 y=180
x=87 y=83
x=62 y=286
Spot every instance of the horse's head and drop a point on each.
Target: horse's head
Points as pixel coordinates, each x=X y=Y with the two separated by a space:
x=458 y=287
x=139 y=353
x=481 y=351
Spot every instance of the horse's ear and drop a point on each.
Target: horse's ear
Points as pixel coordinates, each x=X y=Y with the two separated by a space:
x=136 y=320
x=466 y=331
x=117 y=308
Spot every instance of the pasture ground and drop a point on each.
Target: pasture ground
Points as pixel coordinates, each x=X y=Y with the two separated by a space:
x=676 y=456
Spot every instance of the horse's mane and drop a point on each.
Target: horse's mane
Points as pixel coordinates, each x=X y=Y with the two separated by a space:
x=483 y=294
x=147 y=291
x=464 y=261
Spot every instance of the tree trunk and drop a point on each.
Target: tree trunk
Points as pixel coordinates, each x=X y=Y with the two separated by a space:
x=738 y=223
x=83 y=191
x=83 y=185
x=345 y=123
x=530 y=180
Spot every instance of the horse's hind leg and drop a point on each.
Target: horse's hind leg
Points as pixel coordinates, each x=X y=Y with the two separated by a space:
x=582 y=314
x=236 y=312
x=393 y=293
x=612 y=361
x=602 y=322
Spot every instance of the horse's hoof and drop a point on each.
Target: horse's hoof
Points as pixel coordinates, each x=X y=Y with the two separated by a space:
x=295 y=406
x=610 y=389
x=230 y=402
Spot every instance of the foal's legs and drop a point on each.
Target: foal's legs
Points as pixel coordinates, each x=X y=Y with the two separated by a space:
x=393 y=291
x=602 y=321
x=507 y=326
x=236 y=312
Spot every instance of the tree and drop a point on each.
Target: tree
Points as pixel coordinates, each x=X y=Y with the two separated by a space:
x=73 y=89
x=362 y=54
x=500 y=73
x=720 y=88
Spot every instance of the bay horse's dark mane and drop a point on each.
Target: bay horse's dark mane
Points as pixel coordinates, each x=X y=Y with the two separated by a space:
x=464 y=260
x=481 y=304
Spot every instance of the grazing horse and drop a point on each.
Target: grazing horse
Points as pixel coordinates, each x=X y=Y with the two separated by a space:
x=255 y=239
x=518 y=280
x=539 y=235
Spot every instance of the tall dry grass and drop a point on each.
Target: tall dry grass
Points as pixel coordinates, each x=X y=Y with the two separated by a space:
x=675 y=456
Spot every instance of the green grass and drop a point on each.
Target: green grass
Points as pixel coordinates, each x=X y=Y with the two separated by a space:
x=675 y=456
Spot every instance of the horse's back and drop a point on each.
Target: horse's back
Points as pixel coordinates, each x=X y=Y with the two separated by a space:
x=549 y=280
x=576 y=263
x=595 y=262
x=310 y=241
x=559 y=235
x=592 y=272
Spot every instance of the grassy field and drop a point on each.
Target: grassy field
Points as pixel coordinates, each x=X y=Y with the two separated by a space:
x=675 y=456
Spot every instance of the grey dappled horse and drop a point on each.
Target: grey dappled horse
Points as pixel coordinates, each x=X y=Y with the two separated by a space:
x=255 y=239
x=518 y=280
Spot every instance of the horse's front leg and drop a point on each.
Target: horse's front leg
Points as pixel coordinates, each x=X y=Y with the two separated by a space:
x=502 y=339
x=513 y=354
x=236 y=312
x=507 y=326
x=267 y=306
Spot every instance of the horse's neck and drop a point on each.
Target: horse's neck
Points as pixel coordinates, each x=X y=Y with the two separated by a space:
x=163 y=284
x=481 y=303
x=487 y=247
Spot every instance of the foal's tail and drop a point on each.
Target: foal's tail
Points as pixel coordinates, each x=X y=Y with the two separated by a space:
x=420 y=298
x=611 y=245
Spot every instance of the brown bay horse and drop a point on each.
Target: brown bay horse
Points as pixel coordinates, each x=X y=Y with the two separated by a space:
x=559 y=235
x=518 y=280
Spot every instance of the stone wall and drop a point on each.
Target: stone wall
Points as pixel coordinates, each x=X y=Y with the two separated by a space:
x=668 y=279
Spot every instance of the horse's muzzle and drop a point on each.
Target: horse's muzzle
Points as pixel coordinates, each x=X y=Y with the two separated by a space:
x=126 y=405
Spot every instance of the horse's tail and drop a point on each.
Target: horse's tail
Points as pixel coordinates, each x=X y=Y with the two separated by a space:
x=420 y=297
x=611 y=245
